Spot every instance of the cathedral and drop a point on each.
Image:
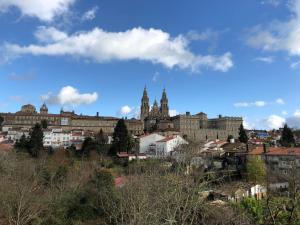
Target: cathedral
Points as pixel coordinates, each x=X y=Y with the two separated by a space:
x=195 y=127
x=157 y=115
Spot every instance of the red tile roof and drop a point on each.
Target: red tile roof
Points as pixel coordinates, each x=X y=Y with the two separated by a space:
x=276 y=151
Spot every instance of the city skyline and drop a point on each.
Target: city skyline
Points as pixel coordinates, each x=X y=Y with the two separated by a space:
x=240 y=60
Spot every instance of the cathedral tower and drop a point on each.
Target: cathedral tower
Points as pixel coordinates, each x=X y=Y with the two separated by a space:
x=164 y=105
x=145 y=105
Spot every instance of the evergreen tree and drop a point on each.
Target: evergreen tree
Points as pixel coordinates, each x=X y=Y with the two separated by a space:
x=1 y=120
x=22 y=144
x=121 y=139
x=242 y=135
x=36 y=141
x=87 y=146
x=287 y=137
x=44 y=124
x=229 y=138
x=101 y=138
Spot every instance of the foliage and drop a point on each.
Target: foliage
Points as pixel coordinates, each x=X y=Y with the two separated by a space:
x=22 y=144
x=256 y=170
x=242 y=134
x=44 y=124
x=255 y=208
x=121 y=139
x=1 y=120
x=287 y=137
x=36 y=141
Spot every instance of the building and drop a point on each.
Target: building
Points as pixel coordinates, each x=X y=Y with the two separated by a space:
x=158 y=145
x=194 y=127
x=28 y=116
x=280 y=160
x=56 y=138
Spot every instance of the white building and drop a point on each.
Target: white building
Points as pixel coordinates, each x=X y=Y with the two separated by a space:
x=148 y=143
x=15 y=134
x=160 y=146
x=166 y=146
x=56 y=138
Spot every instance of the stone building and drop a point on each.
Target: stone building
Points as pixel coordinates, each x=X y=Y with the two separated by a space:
x=194 y=127
x=28 y=117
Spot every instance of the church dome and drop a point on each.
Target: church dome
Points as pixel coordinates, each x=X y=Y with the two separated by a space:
x=44 y=109
x=28 y=109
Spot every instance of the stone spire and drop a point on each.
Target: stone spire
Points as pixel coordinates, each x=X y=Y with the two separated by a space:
x=44 y=109
x=145 y=105
x=164 y=105
x=155 y=109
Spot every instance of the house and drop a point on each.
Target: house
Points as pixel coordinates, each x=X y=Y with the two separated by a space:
x=56 y=138
x=15 y=134
x=147 y=143
x=237 y=191
x=131 y=156
x=166 y=146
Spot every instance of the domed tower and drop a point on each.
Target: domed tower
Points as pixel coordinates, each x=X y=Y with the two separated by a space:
x=44 y=109
x=164 y=105
x=145 y=105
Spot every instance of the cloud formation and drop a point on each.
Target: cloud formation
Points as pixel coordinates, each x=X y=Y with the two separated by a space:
x=294 y=120
x=279 y=35
x=69 y=95
x=278 y=101
x=100 y=46
x=275 y=122
x=126 y=110
x=268 y=60
x=44 y=10
x=90 y=14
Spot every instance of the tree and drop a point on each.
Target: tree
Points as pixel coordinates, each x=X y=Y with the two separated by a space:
x=44 y=124
x=22 y=144
x=256 y=170
x=121 y=139
x=1 y=120
x=87 y=146
x=36 y=141
x=101 y=142
x=242 y=135
x=287 y=137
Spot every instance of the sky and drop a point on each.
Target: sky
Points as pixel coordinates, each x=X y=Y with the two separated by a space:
x=234 y=58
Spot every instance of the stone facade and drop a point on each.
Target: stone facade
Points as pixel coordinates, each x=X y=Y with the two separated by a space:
x=28 y=117
x=195 y=127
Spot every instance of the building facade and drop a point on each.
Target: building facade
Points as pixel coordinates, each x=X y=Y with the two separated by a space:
x=28 y=116
x=194 y=127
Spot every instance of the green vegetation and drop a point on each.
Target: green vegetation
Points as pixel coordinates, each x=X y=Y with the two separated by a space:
x=256 y=170
x=287 y=137
x=242 y=135
x=44 y=124
x=121 y=139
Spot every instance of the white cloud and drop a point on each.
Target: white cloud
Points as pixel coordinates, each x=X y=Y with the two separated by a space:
x=69 y=95
x=44 y=10
x=155 y=76
x=284 y=112
x=90 y=14
x=260 y=103
x=126 y=110
x=207 y=35
x=265 y=59
x=49 y=34
x=295 y=65
x=274 y=3
x=275 y=122
x=152 y=45
x=250 y=104
x=294 y=120
x=279 y=36
x=278 y=101
x=247 y=124
x=173 y=112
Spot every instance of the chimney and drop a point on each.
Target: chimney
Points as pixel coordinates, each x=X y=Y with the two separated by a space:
x=188 y=113
x=266 y=148
x=97 y=114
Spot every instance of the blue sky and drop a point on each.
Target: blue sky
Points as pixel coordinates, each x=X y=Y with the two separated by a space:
x=239 y=58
